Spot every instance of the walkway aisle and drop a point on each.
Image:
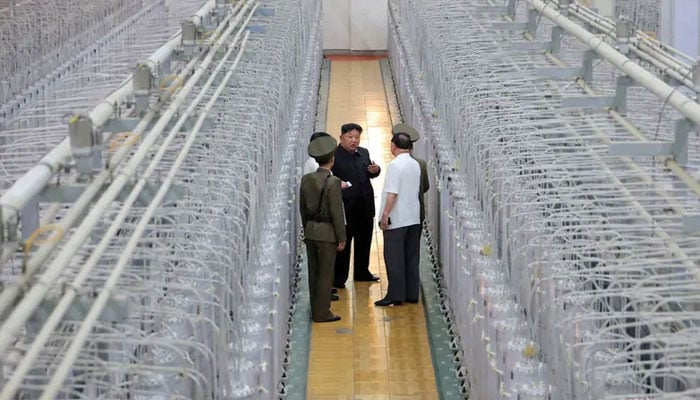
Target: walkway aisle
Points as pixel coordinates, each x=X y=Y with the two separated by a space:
x=372 y=353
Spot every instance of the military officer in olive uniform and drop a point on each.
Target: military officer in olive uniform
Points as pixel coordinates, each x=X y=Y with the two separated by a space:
x=424 y=181
x=321 y=207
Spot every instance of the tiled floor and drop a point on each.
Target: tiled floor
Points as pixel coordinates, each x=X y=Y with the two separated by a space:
x=373 y=353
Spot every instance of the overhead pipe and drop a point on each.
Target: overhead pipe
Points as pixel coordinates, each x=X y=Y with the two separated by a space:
x=34 y=296
x=35 y=180
x=680 y=102
x=98 y=306
x=660 y=232
x=12 y=290
x=651 y=49
x=647 y=49
x=68 y=297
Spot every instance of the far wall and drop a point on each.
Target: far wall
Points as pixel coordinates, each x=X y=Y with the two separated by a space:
x=680 y=25
x=357 y=25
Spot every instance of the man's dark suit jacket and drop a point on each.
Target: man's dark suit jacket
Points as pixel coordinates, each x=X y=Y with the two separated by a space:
x=353 y=168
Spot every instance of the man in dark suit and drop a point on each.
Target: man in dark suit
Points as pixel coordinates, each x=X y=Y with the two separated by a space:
x=321 y=208
x=424 y=181
x=354 y=165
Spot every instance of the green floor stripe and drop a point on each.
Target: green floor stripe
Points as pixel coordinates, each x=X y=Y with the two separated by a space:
x=300 y=340
x=446 y=380
x=300 y=337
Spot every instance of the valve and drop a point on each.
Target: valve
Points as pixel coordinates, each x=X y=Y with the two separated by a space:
x=623 y=31
x=82 y=141
x=189 y=34
x=142 y=81
x=564 y=6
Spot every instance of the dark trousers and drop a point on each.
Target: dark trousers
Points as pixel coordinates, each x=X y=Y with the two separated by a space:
x=401 y=256
x=359 y=226
x=321 y=257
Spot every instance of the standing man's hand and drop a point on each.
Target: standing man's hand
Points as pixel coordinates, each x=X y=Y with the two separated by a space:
x=341 y=246
x=384 y=222
x=373 y=168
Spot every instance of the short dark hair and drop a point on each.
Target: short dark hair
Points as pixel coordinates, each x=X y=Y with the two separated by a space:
x=350 y=127
x=318 y=135
x=324 y=159
x=402 y=141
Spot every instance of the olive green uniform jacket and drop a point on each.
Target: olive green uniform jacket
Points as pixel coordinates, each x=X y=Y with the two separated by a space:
x=324 y=228
x=331 y=228
x=424 y=186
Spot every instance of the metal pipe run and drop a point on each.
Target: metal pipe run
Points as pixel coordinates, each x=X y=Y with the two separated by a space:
x=12 y=290
x=72 y=291
x=123 y=176
x=105 y=294
x=680 y=102
x=36 y=179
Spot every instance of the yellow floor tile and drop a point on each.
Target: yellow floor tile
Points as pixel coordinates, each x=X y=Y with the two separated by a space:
x=373 y=397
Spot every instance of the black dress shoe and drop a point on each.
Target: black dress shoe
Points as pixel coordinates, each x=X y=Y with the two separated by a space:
x=331 y=319
x=414 y=301
x=335 y=297
x=386 y=303
x=334 y=290
x=371 y=278
x=339 y=286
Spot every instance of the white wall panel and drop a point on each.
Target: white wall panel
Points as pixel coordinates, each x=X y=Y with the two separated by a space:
x=358 y=25
x=605 y=7
x=680 y=25
x=368 y=25
x=336 y=24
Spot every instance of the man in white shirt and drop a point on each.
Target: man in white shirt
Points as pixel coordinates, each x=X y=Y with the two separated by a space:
x=400 y=221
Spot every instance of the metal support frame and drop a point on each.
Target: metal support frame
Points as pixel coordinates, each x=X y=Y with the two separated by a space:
x=681 y=130
x=142 y=83
x=589 y=56
x=678 y=149
x=82 y=142
x=557 y=34
x=128 y=124
x=190 y=33
x=261 y=12
x=532 y=17
x=558 y=73
x=623 y=82
x=490 y=9
x=640 y=149
x=691 y=223
x=588 y=102
x=564 y=6
x=69 y=193
x=530 y=46
x=509 y=26
x=29 y=218
x=623 y=31
x=510 y=9
x=116 y=310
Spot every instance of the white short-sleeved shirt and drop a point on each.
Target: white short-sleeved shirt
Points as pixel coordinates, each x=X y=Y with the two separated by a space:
x=402 y=178
x=310 y=166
